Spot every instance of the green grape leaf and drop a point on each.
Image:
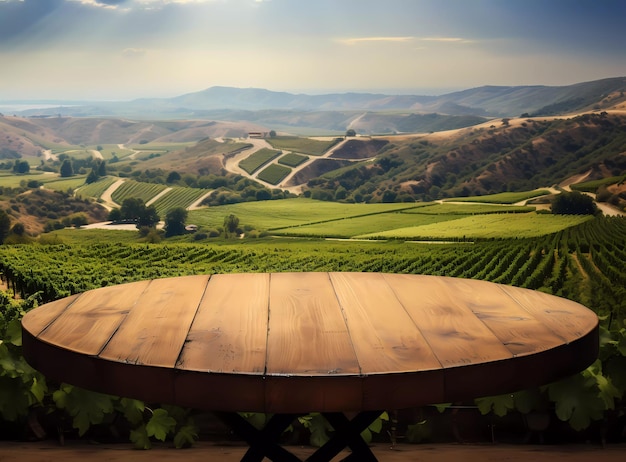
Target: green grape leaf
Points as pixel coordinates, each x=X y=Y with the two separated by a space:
x=186 y=436
x=367 y=436
x=160 y=424
x=14 y=400
x=418 y=432
x=615 y=368
x=529 y=400
x=319 y=427
x=86 y=407
x=132 y=410
x=576 y=401
x=13 y=333
x=500 y=404
x=621 y=344
x=140 y=439
x=38 y=387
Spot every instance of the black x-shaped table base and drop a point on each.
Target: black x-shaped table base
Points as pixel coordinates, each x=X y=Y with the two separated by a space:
x=264 y=442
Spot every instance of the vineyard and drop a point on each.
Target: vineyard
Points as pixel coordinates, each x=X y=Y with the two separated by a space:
x=583 y=263
x=178 y=197
x=138 y=190
x=254 y=162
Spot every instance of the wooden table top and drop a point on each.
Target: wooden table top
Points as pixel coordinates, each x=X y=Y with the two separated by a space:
x=301 y=342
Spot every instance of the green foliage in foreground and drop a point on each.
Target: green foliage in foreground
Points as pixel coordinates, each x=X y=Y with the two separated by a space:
x=583 y=263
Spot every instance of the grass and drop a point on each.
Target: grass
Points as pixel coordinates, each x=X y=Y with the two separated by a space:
x=284 y=213
x=302 y=145
x=292 y=159
x=63 y=184
x=592 y=186
x=503 y=198
x=470 y=208
x=10 y=180
x=255 y=161
x=351 y=227
x=486 y=227
x=96 y=188
x=274 y=173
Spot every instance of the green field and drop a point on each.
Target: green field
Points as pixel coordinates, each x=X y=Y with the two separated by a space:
x=302 y=145
x=255 y=161
x=503 y=226
x=592 y=186
x=273 y=173
x=502 y=198
x=292 y=159
x=270 y=215
x=10 y=180
x=470 y=208
x=96 y=188
x=63 y=184
x=143 y=191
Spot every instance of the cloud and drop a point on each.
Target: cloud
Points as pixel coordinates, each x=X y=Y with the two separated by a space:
x=445 y=39
x=133 y=53
x=354 y=41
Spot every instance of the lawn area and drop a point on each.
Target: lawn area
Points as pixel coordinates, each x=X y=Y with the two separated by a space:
x=274 y=173
x=486 y=226
x=470 y=208
x=350 y=227
x=10 y=180
x=503 y=198
x=287 y=212
x=302 y=145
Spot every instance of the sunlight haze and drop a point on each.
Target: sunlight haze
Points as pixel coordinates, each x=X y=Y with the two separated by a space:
x=126 y=49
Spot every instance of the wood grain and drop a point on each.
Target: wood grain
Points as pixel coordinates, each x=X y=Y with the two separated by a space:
x=155 y=330
x=308 y=334
x=229 y=332
x=299 y=342
x=383 y=334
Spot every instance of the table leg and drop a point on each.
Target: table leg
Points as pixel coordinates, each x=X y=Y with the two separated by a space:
x=347 y=433
x=264 y=442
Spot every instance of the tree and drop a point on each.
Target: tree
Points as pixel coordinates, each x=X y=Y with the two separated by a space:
x=573 y=203
x=5 y=225
x=102 y=169
x=231 y=223
x=272 y=134
x=66 y=169
x=18 y=229
x=351 y=132
x=78 y=220
x=175 y=222
x=115 y=215
x=92 y=177
x=132 y=208
x=148 y=217
x=21 y=167
x=173 y=177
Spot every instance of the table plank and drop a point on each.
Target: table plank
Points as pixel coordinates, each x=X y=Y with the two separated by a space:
x=83 y=329
x=156 y=328
x=384 y=336
x=38 y=320
x=308 y=333
x=452 y=330
x=229 y=332
x=517 y=329
x=572 y=321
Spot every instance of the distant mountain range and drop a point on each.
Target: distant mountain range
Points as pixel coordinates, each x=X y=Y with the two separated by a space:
x=284 y=110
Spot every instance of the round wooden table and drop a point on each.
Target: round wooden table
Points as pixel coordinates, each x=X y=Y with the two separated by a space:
x=293 y=343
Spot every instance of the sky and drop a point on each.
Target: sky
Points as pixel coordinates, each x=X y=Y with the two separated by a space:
x=127 y=49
